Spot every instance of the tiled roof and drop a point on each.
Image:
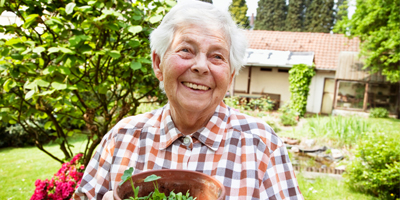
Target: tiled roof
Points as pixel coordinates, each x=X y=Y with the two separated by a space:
x=326 y=46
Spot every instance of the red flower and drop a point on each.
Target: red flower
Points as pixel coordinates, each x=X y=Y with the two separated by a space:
x=64 y=183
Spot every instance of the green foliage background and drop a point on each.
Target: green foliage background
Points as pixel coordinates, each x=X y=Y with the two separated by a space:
x=376 y=23
x=78 y=65
x=271 y=15
x=375 y=170
x=238 y=10
x=300 y=79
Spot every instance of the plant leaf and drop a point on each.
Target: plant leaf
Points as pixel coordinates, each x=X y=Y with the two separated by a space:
x=29 y=94
x=152 y=177
x=38 y=50
x=127 y=174
x=136 y=65
x=155 y=19
x=59 y=86
x=70 y=8
x=135 y=29
x=114 y=54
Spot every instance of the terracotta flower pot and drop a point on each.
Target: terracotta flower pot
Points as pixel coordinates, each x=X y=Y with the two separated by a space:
x=200 y=185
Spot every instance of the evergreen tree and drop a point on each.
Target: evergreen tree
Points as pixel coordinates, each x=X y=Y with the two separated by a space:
x=320 y=16
x=294 y=19
x=208 y=1
x=341 y=9
x=271 y=15
x=307 y=16
x=238 y=10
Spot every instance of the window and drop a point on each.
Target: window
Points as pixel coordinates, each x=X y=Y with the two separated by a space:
x=382 y=95
x=350 y=95
x=283 y=70
x=266 y=69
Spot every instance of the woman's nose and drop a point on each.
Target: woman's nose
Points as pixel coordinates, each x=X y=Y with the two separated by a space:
x=200 y=66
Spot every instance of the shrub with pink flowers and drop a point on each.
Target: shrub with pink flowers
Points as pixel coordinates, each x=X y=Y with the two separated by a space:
x=64 y=183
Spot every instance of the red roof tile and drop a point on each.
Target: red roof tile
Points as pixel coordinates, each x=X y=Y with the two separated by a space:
x=326 y=46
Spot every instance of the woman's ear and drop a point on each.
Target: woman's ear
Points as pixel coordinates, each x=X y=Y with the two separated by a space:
x=232 y=76
x=156 y=66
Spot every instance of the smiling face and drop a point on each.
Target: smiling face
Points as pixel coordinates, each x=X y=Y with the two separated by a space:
x=195 y=69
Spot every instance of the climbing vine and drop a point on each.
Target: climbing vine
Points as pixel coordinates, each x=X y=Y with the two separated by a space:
x=300 y=78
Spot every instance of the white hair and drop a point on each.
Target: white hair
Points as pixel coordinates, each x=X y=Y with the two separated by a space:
x=200 y=14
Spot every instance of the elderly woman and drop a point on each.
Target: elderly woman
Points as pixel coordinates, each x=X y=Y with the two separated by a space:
x=196 y=52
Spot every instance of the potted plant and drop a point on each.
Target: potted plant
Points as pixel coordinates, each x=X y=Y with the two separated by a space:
x=200 y=186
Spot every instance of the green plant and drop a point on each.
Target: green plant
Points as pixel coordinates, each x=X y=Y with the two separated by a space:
x=76 y=63
x=156 y=195
x=232 y=101
x=376 y=168
x=300 y=79
x=288 y=116
x=342 y=130
x=273 y=125
x=379 y=113
x=262 y=104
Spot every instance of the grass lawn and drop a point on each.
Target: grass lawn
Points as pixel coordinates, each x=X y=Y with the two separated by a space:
x=328 y=189
x=20 y=167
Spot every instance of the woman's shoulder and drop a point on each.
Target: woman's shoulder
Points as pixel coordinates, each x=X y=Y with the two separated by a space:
x=139 y=121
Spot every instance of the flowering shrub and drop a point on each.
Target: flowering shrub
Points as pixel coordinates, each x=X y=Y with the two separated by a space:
x=64 y=182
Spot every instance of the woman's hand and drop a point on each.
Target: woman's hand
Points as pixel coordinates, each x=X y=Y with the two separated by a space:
x=108 y=196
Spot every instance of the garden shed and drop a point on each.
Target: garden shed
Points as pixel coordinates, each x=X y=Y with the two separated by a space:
x=275 y=52
x=357 y=90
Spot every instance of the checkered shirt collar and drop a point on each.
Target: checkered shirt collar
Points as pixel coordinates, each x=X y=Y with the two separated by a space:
x=210 y=135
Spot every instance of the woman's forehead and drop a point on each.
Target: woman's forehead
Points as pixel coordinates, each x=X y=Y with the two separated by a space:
x=196 y=34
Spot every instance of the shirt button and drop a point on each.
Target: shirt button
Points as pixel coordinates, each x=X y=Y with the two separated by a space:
x=187 y=140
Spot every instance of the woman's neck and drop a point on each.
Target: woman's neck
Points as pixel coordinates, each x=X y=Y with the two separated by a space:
x=189 y=122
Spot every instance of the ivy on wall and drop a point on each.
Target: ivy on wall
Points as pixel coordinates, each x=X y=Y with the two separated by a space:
x=300 y=78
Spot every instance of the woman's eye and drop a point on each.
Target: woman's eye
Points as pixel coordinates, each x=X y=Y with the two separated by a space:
x=218 y=57
x=185 y=50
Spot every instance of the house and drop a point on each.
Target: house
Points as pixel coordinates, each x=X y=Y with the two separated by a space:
x=340 y=82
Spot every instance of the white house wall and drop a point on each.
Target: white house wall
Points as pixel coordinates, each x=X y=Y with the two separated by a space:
x=241 y=80
x=314 y=100
x=275 y=82
x=272 y=82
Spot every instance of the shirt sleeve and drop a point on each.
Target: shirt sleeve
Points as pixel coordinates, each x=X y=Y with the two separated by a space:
x=279 y=181
x=96 y=178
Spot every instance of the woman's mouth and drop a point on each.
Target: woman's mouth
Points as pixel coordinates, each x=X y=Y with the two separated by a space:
x=195 y=86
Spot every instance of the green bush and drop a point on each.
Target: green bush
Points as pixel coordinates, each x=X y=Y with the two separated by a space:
x=288 y=116
x=241 y=103
x=379 y=113
x=300 y=79
x=376 y=168
x=262 y=104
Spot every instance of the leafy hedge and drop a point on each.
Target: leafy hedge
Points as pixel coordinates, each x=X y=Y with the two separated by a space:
x=379 y=113
x=376 y=168
x=300 y=79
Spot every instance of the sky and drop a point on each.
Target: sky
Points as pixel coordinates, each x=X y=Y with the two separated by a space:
x=253 y=4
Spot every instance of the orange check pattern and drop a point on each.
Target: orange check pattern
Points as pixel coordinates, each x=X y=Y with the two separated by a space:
x=242 y=152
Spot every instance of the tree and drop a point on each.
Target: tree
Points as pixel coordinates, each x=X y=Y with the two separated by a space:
x=238 y=10
x=320 y=16
x=271 y=15
x=294 y=19
x=376 y=23
x=341 y=9
x=76 y=64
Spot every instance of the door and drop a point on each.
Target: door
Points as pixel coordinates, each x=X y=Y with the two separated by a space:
x=327 y=98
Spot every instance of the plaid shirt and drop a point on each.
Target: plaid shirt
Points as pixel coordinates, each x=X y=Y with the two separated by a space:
x=242 y=152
